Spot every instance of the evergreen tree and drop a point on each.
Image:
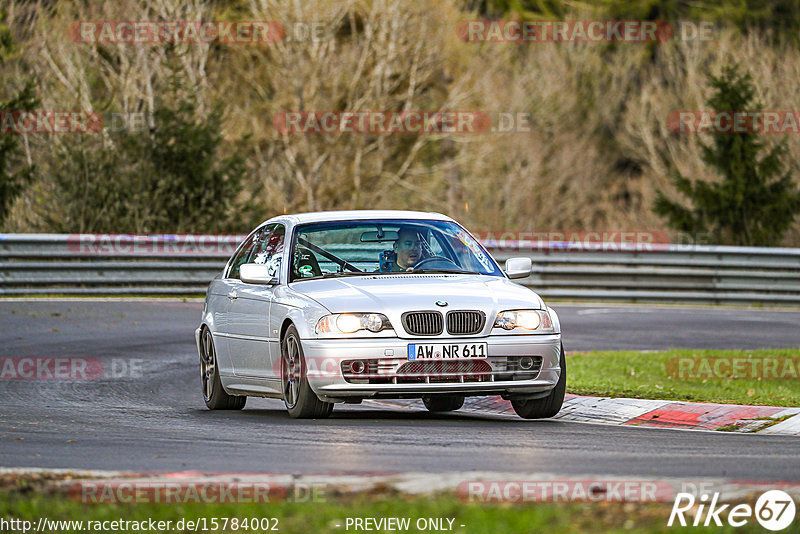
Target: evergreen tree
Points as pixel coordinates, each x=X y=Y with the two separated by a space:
x=756 y=201
x=15 y=174
x=171 y=177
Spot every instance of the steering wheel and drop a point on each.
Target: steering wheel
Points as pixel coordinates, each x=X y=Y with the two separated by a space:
x=429 y=259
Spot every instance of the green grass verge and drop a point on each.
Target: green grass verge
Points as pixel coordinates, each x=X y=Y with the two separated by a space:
x=645 y=375
x=323 y=517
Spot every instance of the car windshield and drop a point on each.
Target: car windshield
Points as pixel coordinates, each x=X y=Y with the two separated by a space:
x=358 y=248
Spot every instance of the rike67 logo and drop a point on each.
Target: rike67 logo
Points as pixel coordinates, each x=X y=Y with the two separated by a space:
x=774 y=510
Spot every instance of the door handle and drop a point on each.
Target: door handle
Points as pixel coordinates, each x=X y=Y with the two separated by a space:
x=233 y=295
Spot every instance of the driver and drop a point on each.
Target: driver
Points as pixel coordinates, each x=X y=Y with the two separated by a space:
x=407 y=249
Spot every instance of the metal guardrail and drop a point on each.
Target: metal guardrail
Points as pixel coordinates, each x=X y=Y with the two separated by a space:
x=56 y=264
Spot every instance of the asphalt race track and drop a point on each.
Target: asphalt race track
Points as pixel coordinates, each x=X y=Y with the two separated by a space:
x=152 y=418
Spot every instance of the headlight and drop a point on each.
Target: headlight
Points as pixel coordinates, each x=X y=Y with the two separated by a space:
x=350 y=323
x=534 y=320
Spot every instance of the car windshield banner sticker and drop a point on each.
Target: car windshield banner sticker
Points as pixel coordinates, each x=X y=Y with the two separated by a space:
x=473 y=246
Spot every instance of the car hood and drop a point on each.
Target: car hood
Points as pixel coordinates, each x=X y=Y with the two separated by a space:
x=395 y=294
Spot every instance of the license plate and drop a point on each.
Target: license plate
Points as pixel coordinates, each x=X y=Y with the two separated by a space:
x=447 y=351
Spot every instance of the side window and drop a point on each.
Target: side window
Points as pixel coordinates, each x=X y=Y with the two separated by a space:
x=268 y=248
x=241 y=256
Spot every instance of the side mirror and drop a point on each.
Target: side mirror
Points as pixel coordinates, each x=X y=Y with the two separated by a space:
x=517 y=267
x=257 y=273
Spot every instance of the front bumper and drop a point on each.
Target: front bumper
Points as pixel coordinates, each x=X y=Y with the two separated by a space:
x=324 y=359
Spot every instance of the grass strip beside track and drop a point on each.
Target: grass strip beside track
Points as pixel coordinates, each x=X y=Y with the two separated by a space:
x=651 y=375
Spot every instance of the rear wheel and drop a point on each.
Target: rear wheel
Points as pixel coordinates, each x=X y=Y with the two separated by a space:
x=301 y=402
x=214 y=396
x=547 y=406
x=443 y=403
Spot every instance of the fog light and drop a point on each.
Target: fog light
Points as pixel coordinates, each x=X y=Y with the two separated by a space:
x=358 y=366
x=526 y=362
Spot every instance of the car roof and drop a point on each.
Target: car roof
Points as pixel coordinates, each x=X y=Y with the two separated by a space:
x=349 y=215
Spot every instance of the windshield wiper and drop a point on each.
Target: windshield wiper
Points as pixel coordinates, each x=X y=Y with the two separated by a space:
x=377 y=273
x=336 y=275
x=329 y=275
x=440 y=271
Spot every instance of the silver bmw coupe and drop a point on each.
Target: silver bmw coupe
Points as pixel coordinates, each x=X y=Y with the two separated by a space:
x=341 y=306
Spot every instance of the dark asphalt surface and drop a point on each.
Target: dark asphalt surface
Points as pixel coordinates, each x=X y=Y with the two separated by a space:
x=153 y=418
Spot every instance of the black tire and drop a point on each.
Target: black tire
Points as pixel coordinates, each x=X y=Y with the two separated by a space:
x=301 y=402
x=443 y=403
x=215 y=397
x=548 y=406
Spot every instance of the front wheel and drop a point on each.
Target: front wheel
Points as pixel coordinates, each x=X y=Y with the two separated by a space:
x=214 y=396
x=301 y=402
x=547 y=406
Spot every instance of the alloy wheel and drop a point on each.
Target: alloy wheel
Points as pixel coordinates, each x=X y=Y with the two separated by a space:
x=208 y=365
x=291 y=370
